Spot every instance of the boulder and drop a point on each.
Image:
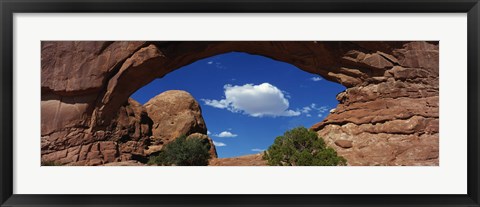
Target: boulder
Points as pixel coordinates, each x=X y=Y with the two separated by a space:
x=344 y=143
x=174 y=113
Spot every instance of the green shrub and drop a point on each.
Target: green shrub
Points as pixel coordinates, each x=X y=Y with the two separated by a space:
x=157 y=159
x=301 y=147
x=183 y=152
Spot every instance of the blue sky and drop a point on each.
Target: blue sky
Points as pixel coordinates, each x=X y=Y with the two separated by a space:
x=249 y=100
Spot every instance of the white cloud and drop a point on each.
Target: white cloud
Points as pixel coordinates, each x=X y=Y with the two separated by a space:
x=219 y=144
x=320 y=110
x=217 y=64
x=208 y=132
x=226 y=134
x=254 y=100
x=316 y=79
x=307 y=110
x=217 y=104
x=258 y=150
x=323 y=109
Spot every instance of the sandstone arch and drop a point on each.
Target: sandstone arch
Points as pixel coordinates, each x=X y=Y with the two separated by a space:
x=84 y=84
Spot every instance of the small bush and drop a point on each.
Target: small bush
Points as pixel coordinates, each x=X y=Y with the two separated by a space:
x=183 y=152
x=301 y=147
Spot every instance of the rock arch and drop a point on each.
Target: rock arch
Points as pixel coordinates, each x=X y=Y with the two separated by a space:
x=392 y=90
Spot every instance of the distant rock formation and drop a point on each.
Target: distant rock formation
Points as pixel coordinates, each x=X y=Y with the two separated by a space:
x=174 y=113
x=388 y=115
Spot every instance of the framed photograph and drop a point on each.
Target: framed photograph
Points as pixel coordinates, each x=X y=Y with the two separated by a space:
x=239 y=103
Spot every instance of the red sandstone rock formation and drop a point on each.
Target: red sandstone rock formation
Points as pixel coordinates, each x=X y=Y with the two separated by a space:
x=392 y=119
x=175 y=113
x=133 y=134
x=389 y=111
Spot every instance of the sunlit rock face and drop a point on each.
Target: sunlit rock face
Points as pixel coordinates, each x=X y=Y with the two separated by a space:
x=391 y=119
x=174 y=113
x=388 y=114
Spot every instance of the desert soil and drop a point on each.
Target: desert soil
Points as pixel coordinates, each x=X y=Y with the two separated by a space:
x=246 y=160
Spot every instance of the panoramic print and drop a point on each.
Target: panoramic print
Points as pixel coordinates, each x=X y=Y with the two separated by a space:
x=239 y=103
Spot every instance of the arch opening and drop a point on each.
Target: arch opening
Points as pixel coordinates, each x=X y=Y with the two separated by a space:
x=158 y=59
x=246 y=100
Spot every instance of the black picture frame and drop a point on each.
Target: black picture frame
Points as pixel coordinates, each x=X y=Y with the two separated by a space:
x=9 y=7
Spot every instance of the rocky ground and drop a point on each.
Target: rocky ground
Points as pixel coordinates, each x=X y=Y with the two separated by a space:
x=246 y=160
